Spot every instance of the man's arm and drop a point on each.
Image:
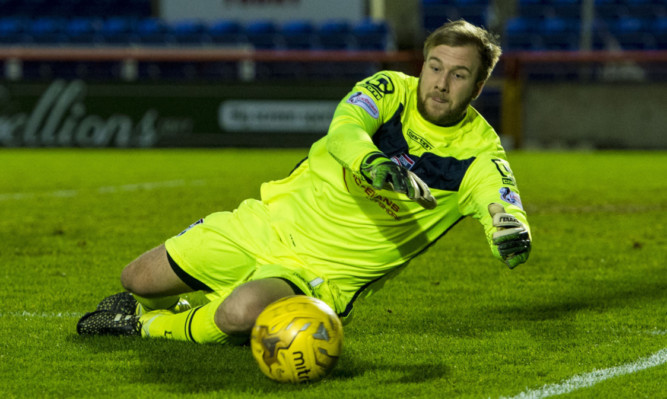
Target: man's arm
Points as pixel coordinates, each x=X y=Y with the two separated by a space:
x=512 y=238
x=349 y=137
x=489 y=193
x=384 y=174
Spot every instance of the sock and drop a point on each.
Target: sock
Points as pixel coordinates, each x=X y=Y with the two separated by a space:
x=195 y=325
x=149 y=304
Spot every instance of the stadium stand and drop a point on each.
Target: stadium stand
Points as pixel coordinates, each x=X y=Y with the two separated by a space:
x=438 y=11
x=226 y=32
x=82 y=30
x=537 y=25
x=335 y=35
x=556 y=25
x=116 y=31
x=152 y=31
x=371 y=35
x=262 y=34
x=12 y=30
x=189 y=32
x=298 y=35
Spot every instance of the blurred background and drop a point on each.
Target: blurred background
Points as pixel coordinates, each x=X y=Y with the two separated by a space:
x=583 y=74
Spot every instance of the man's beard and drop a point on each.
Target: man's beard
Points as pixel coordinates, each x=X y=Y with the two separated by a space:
x=448 y=119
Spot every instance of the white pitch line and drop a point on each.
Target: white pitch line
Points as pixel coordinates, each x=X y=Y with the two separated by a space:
x=594 y=377
x=147 y=186
x=42 y=315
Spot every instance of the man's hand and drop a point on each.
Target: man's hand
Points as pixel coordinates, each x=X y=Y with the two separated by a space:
x=512 y=238
x=422 y=194
x=386 y=175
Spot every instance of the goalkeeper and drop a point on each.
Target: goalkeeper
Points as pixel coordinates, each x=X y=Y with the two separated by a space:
x=404 y=160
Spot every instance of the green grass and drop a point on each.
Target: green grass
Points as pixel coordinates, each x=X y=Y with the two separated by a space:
x=455 y=324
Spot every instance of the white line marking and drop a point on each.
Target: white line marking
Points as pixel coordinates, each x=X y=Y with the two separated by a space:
x=43 y=315
x=594 y=377
x=148 y=186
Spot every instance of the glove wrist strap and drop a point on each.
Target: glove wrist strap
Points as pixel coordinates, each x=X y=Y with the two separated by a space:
x=372 y=158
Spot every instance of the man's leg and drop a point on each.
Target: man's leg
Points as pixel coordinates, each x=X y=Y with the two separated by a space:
x=226 y=320
x=237 y=314
x=151 y=284
x=152 y=281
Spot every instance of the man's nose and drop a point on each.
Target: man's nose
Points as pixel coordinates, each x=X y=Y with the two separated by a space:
x=442 y=84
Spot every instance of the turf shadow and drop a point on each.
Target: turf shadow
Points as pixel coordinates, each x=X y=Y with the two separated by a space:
x=598 y=297
x=183 y=367
x=394 y=373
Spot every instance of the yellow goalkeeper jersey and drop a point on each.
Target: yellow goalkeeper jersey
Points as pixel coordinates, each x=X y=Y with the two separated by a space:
x=354 y=234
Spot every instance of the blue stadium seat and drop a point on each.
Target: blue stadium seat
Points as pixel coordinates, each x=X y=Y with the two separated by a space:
x=601 y=36
x=550 y=8
x=606 y=9
x=262 y=34
x=646 y=9
x=659 y=30
x=473 y=11
x=226 y=32
x=438 y=12
x=371 y=35
x=152 y=31
x=117 y=31
x=568 y=9
x=335 y=35
x=189 y=32
x=560 y=33
x=47 y=30
x=522 y=34
x=12 y=30
x=298 y=34
x=632 y=33
x=82 y=30
x=535 y=9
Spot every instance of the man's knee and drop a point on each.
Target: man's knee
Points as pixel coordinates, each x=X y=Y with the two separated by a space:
x=151 y=275
x=238 y=312
x=130 y=280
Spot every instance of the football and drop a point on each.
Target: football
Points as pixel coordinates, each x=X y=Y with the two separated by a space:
x=297 y=339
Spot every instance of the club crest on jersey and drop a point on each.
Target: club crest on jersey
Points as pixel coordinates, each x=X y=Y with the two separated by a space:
x=364 y=101
x=505 y=171
x=404 y=160
x=379 y=85
x=509 y=196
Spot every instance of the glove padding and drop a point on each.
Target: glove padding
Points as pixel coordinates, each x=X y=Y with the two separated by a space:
x=387 y=175
x=422 y=194
x=512 y=238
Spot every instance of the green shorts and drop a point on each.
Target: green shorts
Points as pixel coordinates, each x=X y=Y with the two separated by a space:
x=227 y=249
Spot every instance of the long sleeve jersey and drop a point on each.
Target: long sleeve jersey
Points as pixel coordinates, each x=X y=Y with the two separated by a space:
x=356 y=234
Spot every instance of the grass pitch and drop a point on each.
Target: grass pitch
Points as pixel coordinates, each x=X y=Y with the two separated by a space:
x=585 y=318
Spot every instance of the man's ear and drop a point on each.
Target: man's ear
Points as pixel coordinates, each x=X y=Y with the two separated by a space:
x=478 y=89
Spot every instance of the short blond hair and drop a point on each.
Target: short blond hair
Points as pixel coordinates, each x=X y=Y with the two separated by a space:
x=462 y=33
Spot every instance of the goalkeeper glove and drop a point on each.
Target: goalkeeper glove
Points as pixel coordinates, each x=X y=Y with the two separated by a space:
x=385 y=174
x=511 y=239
